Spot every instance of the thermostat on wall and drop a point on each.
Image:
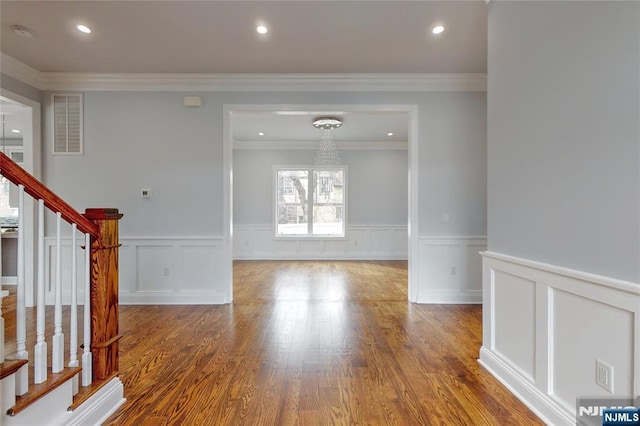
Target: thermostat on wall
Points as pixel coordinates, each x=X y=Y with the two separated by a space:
x=145 y=193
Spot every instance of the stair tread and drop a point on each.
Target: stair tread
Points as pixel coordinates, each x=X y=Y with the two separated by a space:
x=10 y=366
x=38 y=391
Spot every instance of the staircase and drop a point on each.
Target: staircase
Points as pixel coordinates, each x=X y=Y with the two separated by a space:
x=43 y=381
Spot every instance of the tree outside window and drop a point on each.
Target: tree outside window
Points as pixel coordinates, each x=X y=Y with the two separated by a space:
x=310 y=202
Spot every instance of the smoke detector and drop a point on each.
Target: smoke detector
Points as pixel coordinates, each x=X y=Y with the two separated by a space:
x=21 y=31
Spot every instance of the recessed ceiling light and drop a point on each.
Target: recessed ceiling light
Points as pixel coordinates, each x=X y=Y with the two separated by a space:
x=390 y=134
x=260 y=133
x=84 y=29
x=15 y=131
x=438 y=29
x=261 y=29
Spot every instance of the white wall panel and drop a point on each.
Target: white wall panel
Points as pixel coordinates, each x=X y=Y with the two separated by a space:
x=177 y=270
x=514 y=326
x=449 y=269
x=472 y=263
x=155 y=266
x=439 y=266
x=544 y=326
x=583 y=330
x=199 y=267
x=361 y=242
x=180 y=270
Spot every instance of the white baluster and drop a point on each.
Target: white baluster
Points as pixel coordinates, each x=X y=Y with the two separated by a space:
x=3 y=293
x=22 y=378
x=87 y=360
x=58 y=338
x=73 y=326
x=40 y=354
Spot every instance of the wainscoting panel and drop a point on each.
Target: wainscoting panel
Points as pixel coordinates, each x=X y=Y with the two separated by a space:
x=154 y=264
x=545 y=326
x=199 y=264
x=593 y=330
x=172 y=270
x=163 y=270
x=514 y=329
x=257 y=242
x=449 y=269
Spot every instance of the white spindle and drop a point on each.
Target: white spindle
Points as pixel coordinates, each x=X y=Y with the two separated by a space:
x=3 y=293
x=22 y=378
x=40 y=354
x=58 y=338
x=87 y=361
x=73 y=326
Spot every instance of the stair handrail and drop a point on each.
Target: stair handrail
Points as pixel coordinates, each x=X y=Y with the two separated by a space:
x=100 y=226
x=32 y=186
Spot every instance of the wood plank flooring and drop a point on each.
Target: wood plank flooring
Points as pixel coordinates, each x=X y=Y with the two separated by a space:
x=310 y=343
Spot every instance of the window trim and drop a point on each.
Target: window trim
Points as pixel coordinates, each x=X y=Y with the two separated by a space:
x=309 y=236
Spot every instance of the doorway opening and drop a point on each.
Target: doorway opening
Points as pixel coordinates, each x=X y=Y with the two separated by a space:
x=21 y=142
x=378 y=149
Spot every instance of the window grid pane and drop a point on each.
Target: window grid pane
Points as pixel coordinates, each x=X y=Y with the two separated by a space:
x=328 y=202
x=310 y=207
x=292 y=211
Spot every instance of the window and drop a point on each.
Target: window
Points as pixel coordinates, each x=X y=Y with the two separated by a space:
x=310 y=202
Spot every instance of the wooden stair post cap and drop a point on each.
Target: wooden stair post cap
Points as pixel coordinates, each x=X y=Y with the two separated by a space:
x=102 y=213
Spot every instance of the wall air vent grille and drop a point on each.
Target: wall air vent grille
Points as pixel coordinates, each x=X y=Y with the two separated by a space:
x=67 y=124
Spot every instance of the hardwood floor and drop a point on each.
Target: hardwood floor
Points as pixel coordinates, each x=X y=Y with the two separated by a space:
x=310 y=343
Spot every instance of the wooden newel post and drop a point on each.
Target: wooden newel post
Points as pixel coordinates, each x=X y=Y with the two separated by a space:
x=104 y=292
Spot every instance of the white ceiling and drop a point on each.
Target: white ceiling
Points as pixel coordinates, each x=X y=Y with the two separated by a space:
x=296 y=126
x=183 y=36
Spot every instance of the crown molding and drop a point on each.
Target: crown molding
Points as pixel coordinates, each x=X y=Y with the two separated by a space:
x=268 y=82
x=21 y=71
x=244 y=82
x=313 y=145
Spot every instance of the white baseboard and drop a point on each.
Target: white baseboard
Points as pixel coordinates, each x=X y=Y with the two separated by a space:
x=172 y=298
x=8 y=280
x=544 y=327
x=100 y=406
x=451 y=297
x=544 y=407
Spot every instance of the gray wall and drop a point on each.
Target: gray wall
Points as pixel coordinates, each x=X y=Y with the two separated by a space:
x=563 y=134
x=136 y=140
x=377 y=184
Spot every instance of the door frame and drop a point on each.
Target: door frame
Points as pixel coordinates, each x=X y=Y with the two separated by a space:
x=32 y=143
x=413 y=177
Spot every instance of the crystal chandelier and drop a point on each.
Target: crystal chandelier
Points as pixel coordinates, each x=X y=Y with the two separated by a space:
x=327 y=154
